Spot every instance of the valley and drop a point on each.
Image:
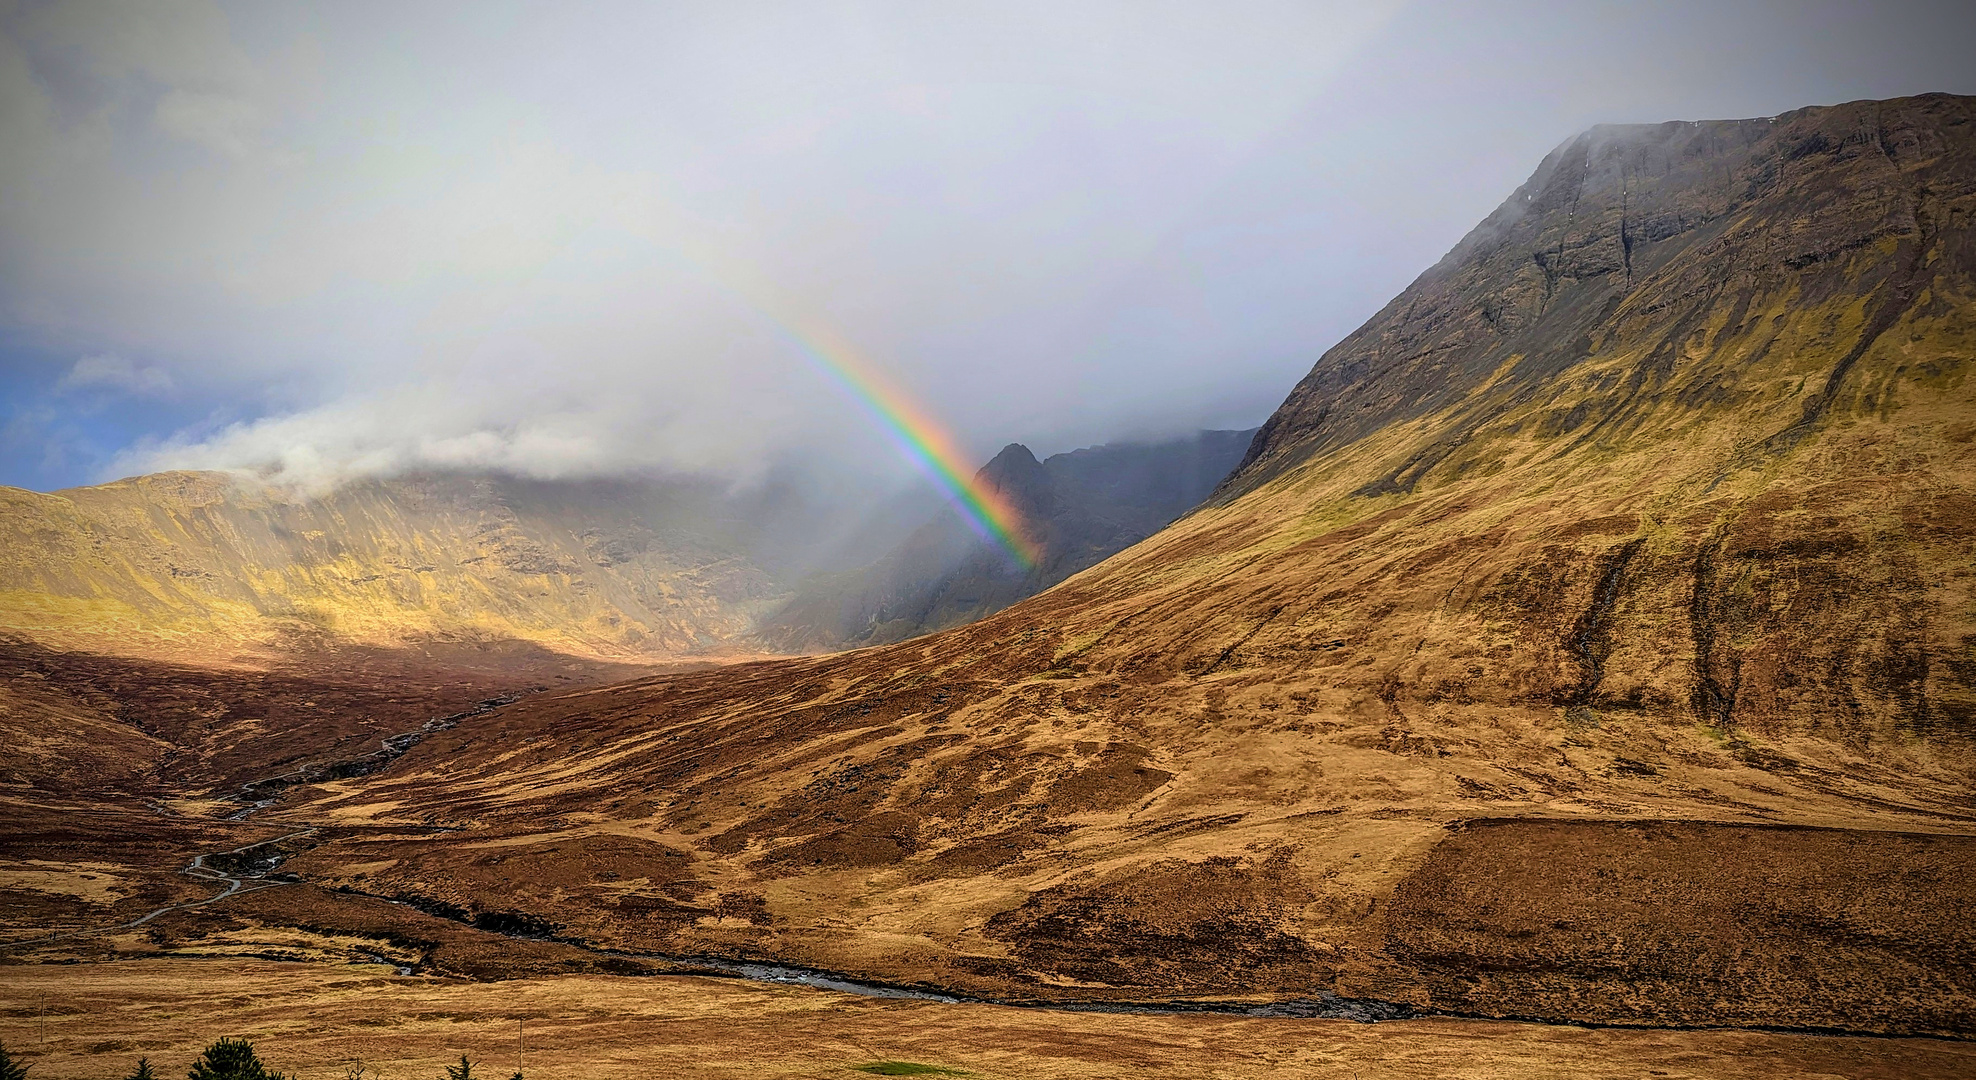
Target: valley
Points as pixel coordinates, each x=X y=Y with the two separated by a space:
x=1577 y=671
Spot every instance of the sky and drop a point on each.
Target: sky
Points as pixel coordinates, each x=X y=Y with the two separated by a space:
x=323 y=241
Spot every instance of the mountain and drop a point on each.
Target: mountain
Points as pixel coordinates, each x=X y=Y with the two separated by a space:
x=1081 y=507
x=187 y=633
x=1590 y=636
x=204 y=565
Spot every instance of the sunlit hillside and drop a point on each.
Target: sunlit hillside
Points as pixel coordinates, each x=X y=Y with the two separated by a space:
x=207 y=565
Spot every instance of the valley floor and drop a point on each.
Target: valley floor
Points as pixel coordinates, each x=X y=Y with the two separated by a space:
x=92 y=1020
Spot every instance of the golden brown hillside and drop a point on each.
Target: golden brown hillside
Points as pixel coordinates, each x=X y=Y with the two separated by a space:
x=1590 y=636
x=209 y=566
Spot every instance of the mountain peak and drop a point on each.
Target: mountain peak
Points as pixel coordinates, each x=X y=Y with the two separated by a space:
x=1016 y=474
x=1010 y=460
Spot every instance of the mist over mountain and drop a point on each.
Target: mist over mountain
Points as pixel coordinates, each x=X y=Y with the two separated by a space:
x=212 y=566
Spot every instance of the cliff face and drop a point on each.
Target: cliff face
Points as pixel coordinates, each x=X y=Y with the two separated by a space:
x=1081 y=507
x=1655 y=274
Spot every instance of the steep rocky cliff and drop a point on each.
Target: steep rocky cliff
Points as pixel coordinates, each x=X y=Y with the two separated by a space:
x=1674 y=269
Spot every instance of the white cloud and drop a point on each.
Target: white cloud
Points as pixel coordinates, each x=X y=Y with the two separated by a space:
x=561 y=240
x=218 y=121
x=116 y=374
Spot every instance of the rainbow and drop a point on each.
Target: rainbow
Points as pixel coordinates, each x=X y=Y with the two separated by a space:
x=918 y=436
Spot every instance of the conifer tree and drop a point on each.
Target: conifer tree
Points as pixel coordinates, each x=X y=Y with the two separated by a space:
x=9 y=1068
x=143 y=1071
x=462 y=1071
x=231 y=1059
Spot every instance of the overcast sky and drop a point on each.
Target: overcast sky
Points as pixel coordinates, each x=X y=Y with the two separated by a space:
x=556 y=239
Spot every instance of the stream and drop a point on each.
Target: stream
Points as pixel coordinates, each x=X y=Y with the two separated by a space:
x=250 y=876
x=1326 y=1006
x=247 y=868
x=242 y=869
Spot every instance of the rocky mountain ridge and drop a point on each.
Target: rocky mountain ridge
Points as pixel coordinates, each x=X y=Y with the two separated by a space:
x=1674 y=241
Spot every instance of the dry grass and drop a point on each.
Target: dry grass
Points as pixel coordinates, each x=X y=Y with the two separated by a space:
x=317 y=1019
